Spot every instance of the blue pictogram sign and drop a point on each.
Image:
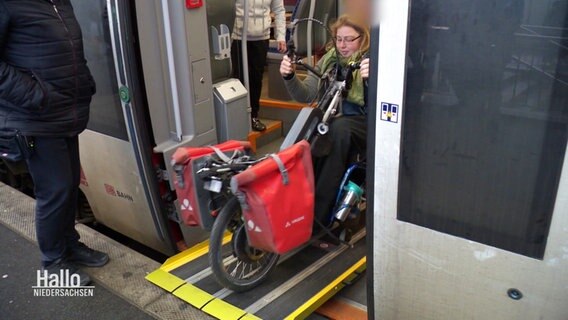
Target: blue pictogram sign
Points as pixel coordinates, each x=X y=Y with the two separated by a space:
x=389 y=112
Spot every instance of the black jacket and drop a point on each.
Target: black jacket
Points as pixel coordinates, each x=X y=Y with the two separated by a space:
x=45 y=84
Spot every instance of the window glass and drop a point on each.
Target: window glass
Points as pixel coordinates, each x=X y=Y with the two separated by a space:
x=106 y=114
x=485 y=125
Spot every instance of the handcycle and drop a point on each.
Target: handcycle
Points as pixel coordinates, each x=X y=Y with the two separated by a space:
x=239 y=266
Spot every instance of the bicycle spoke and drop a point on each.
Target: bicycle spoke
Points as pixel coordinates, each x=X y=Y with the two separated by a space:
x=237 y=266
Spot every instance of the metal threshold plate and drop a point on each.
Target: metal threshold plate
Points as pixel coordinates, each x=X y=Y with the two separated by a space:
x=300 y=284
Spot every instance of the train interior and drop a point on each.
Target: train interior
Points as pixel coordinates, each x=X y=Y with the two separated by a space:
x=465 y=173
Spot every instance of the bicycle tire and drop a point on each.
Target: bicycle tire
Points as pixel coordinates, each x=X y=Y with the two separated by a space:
x=230 y=219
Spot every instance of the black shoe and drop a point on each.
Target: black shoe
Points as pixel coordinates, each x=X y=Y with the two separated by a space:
x=62 y=265
x=82 y=255
x=257 y=125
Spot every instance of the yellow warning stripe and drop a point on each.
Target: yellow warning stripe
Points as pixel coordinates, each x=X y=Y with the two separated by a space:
x=193 y=295
x=190 y=254
x=331 y=289
x=249 y=316
x=197 y=297
x=223 y=310
x=165 y=280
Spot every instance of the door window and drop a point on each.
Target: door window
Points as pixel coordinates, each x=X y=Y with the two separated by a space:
x=106 y=115
x=485 y=122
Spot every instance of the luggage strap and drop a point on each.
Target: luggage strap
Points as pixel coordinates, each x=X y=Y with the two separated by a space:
x=223 y=156
x=281 y=167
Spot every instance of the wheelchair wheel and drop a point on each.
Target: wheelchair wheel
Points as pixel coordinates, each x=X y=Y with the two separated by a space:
x=237 y=266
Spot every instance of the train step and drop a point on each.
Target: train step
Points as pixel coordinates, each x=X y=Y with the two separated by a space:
x=260 y=138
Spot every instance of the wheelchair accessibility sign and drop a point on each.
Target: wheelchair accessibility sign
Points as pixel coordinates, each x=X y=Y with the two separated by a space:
x=389 y=112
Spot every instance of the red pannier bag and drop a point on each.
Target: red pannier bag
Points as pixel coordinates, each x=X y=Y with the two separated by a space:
x=277 y=199
x=196 y=203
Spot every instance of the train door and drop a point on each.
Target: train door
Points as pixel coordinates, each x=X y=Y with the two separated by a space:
x=118 y=180
x=150 y=60
x=471 y=173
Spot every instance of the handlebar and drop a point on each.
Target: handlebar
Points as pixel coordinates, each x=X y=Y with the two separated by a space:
x=350 y=68
x=291 y=53
x=309 y=68
x=212 y=172
x=222 y=170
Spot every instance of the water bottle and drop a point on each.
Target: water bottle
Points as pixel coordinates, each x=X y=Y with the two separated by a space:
x=351 y=198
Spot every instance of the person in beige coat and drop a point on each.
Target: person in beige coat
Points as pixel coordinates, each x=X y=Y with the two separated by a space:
x=258 y=35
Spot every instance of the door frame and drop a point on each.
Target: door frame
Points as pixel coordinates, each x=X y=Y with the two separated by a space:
x=453 y=276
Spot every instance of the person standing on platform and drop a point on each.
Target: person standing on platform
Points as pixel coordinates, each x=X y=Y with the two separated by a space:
x=258 y=35
x=45 y=92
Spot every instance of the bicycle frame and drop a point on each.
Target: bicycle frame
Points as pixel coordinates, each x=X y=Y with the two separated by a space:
x=310 y=124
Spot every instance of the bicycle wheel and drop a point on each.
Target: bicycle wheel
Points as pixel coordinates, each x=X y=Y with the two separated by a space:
x=237 y=266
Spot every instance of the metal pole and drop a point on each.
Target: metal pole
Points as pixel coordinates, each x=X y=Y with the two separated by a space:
x=244 y=51
x=310 y=31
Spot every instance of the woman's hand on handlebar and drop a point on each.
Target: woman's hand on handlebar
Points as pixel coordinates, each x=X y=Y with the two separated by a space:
x=286 y=67
x=365 y=68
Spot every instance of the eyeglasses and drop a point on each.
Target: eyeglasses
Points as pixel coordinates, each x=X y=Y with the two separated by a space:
x=348 y=39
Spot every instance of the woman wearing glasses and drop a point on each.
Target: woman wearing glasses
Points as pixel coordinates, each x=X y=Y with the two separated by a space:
x=347 y=133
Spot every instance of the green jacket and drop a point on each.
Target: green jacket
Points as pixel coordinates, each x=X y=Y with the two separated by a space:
x=307 y=90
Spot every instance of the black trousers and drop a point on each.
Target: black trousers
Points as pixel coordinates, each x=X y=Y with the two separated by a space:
x=257 y=51
x=348 y=136
x=56 y=172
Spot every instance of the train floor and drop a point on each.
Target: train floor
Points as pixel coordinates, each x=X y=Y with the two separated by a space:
x=120 y=290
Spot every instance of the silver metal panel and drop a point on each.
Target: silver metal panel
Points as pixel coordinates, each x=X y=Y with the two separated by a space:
x=114 y=189
x=230 y=90
x=190 y=44
x=149 y=216
x=154 y=59
x=423 y=274
x=201 y=76
x=390 y=79
x=231 y=113
x=202 y=97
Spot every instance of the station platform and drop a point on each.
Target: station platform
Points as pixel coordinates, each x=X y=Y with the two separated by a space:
x=120 y=290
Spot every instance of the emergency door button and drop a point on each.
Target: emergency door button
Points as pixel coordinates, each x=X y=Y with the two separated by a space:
x=193 y=4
